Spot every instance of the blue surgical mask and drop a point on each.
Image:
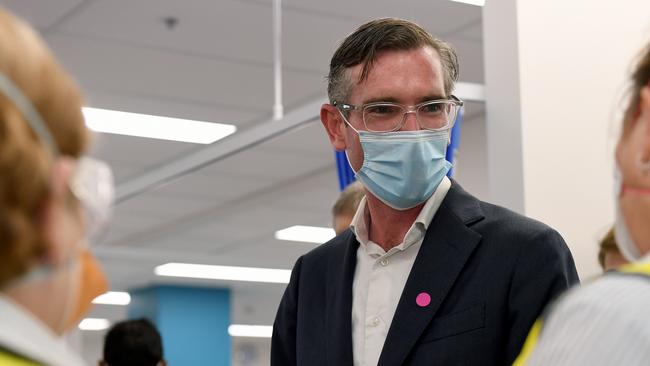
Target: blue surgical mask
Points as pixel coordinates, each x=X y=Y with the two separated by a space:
x=403 y=168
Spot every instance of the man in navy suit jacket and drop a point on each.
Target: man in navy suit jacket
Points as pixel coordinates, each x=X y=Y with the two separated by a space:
x=427 y=274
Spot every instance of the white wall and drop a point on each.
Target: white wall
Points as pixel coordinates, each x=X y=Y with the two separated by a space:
x=471 y=168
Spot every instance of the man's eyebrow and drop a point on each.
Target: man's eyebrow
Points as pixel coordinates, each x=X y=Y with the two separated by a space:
x=432 y=97
x=395 y=100
x=381 y=99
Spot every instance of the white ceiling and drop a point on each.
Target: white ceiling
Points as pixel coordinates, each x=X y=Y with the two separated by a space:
x=216 y=65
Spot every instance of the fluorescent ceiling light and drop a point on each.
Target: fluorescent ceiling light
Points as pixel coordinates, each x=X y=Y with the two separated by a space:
x=155 y=127
x=309 y=234
x=228 y=273
x=94 y=324
x=257 y=331
x=113 y=298
x=471 y=2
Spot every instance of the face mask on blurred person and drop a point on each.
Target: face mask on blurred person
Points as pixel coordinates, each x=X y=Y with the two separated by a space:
x=93 y=283
x=92 y=185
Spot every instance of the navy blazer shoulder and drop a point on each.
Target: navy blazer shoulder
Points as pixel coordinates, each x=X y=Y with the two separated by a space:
x=489 y=271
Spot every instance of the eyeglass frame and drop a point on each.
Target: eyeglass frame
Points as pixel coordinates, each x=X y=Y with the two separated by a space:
x=344 y=107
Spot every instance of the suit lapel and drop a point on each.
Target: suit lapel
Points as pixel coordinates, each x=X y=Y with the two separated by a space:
x=445 y=249
x=339 y=304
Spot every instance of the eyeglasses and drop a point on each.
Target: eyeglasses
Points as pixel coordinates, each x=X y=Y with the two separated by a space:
x=387 y=117
x=92 y=184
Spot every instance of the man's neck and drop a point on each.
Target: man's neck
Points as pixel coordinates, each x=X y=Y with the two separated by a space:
x=388 y=226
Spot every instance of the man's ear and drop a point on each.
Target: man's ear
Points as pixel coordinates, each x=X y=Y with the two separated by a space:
x=334 y=125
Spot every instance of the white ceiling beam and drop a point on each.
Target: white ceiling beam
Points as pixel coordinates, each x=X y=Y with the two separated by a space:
x=220 y=150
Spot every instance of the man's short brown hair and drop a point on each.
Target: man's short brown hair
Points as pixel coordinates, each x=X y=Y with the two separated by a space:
x=364 y=45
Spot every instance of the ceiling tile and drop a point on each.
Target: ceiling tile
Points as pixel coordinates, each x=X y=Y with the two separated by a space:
x=41 y=14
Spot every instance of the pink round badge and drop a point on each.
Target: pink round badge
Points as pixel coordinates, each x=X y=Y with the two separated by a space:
x=423 y=299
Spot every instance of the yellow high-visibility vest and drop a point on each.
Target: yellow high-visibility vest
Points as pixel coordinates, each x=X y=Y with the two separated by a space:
x=533 y=336
x=9 y=359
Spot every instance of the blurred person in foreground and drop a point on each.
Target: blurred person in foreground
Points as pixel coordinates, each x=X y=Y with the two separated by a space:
x=51 y=200
x=606 y=322
x=133 y=343
x=428 y=274
x=346 y=206
x=609 y=256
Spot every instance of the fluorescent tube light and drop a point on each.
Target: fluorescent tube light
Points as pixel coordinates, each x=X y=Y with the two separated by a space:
x=155 y=127
x=228 y=273
x=113 y=298
x=471 y=2
x=309 y=234
x=256 y=331
x=94 y=324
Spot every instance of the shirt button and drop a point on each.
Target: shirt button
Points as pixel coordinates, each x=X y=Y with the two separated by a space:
x=384 y=262
x=374 y=322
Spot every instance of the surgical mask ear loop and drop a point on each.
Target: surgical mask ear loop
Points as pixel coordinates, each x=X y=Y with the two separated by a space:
x=345 y=120
x=69 y=306
x=30 y=114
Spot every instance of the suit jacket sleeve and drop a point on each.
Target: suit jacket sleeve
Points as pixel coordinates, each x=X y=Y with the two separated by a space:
x=544 y=270
x=283 y=341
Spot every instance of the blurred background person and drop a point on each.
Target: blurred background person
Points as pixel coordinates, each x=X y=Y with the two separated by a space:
x=346 y=206
x=606 y=322
x=133 y=343
x=51 y=200
x=609 y=256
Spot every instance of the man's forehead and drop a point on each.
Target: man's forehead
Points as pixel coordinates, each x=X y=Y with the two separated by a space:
x=385 y=56
x=394 y=70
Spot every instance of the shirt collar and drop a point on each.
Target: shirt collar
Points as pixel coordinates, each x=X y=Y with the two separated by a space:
x=21 y=332
x=359 y=224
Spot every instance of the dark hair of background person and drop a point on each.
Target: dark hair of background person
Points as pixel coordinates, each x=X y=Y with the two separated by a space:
x=133 y=343
x=606 y=245
x=349 y=200
x=346 y=206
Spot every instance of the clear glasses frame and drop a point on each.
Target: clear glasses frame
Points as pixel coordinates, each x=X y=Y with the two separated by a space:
x=389 y=117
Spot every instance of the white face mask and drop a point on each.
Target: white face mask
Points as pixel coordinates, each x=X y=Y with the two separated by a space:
x=623 y=238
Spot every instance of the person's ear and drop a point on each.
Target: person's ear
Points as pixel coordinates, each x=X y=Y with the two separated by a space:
x=53 y=223
x=334 y=125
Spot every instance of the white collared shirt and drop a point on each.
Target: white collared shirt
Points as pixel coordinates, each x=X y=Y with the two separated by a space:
x=24 y=334
x=380 y=277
